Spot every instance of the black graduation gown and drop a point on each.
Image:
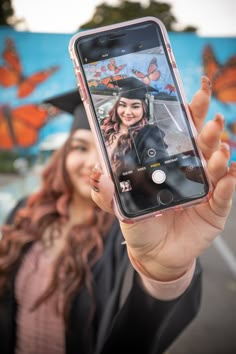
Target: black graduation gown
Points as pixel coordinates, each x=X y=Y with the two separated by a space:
x=127 y=319
x=148 y=146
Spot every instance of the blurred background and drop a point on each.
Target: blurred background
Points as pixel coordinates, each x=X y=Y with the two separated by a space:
x=35 y=65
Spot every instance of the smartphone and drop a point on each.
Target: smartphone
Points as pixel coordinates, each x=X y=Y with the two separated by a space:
x=133 y=96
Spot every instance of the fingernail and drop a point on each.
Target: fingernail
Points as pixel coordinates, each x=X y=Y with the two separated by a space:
x=96 y=189
x=224 y=147
x=96 y=173
x=206 y=79
x=232 y=169
x=219 y=119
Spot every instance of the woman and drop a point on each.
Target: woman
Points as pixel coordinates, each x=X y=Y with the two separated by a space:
x=63 y=258
x=130 y=138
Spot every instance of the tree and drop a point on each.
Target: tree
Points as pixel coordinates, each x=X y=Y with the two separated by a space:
x=126 y=10
x=7 y=17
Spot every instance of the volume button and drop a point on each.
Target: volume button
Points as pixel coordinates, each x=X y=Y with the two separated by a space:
x=172 y=58
x=81 y=93
x=80 y=85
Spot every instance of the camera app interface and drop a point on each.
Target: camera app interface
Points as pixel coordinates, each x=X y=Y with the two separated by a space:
x=144 y=128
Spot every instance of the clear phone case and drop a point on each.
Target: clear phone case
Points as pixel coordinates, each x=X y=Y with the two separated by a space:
x=163 y=171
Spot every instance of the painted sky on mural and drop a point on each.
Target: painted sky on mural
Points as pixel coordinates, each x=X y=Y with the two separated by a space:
x=41 y=51
x=211 y=18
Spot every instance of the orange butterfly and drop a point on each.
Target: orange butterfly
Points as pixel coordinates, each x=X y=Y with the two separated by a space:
x=170 y=87
x=97 y=74
x=11 y=73
x=223 y=77
x=113 y=67
x=152 y=75
x=19 y=126
x=110 y=81
x=93 y=83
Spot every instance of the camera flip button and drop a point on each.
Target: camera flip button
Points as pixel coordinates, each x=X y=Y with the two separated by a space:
x=158 y=176
x=151 y=152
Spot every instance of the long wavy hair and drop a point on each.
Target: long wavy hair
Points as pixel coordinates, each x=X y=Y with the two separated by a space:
x=111 y=127
x=49 y=207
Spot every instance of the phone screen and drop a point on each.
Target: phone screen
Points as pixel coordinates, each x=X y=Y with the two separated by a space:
x=142 y=119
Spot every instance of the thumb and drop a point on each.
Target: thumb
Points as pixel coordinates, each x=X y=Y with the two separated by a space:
x=102 y=190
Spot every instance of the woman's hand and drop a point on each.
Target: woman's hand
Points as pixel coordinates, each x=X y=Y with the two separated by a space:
x=165 y=247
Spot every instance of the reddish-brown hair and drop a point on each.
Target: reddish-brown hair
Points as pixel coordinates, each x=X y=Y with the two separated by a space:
x=49 y=206
x=111 y=126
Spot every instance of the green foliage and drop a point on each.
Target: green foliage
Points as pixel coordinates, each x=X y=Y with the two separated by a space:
x=6 y=12
x=7 y=15
x=7 y=159
x=126 y=10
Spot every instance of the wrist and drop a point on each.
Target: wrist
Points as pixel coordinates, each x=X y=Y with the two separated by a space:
x=153 y=270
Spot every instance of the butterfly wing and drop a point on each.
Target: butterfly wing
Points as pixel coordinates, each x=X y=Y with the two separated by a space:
x=93 y=83
x=170 y=87
x=223 y=77
x=119 y=68
x=107 y=81
x=19 y=127
x=8 y=77
x=210 y=64
x=112 y=65
x=116 y=78
x=97 y=74
x=110 y=81
x=5 y=135
x=119 y=77
x=232 y=127
x=11 y=56
x=141 y=76
x=224 y=85
x=10 y=73
x=28 y=85
x=153 y=73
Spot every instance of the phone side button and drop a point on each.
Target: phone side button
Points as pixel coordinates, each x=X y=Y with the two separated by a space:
x=81 y=92
x=165 y=197
x=80 y=85
x=173 y=62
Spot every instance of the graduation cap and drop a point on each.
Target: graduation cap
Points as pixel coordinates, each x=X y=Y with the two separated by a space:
x=71 y=102
x=133 y=88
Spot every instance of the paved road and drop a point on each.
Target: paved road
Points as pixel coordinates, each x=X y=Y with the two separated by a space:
x=214 y=329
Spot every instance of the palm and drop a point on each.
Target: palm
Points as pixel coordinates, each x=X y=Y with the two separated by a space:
x=175 y=237
x=173 y=240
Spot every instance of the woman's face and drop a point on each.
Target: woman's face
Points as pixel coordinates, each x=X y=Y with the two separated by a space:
x=80 y=160
x=130 y=111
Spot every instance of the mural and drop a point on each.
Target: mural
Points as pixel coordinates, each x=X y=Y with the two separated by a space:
x=35 y=67
x=216 y=58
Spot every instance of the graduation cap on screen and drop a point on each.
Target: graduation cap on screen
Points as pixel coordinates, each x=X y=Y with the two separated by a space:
x=133 y=88
x=71 y=102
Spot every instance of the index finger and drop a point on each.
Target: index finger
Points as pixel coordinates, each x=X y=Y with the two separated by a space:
x=200 y=103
